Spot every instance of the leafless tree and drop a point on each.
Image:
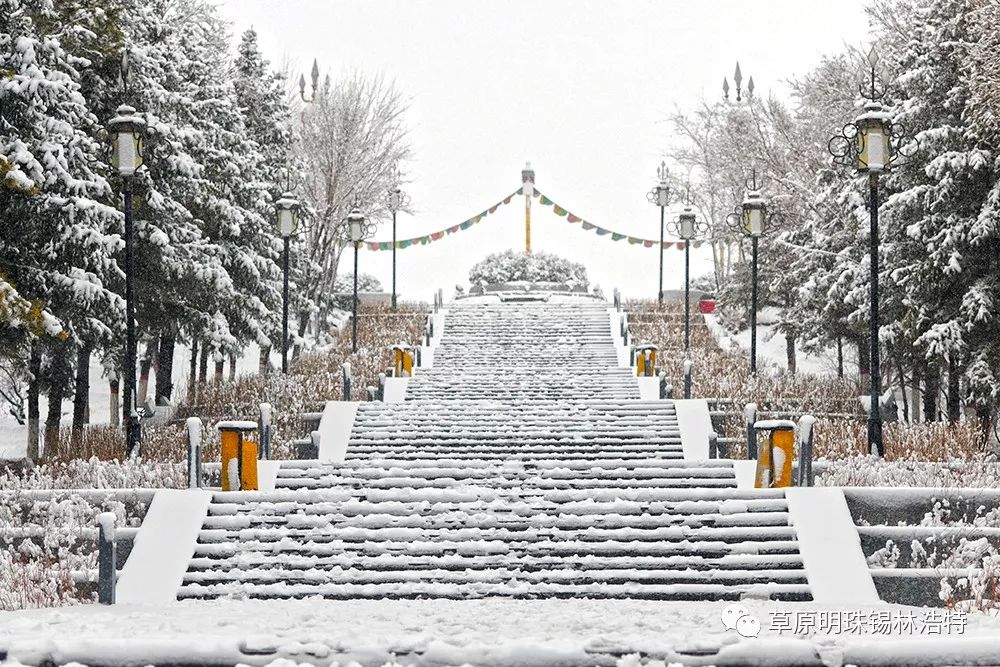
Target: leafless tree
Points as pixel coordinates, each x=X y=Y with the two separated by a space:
x=352 y=136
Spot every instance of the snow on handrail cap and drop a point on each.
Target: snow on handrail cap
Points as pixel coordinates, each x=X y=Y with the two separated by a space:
x=774 y=425
x=236 y=426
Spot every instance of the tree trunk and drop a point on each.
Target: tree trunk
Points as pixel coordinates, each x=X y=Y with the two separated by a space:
x=932 y=387
x=864 y=368
x=114 y=386
x=220 y=362
x=264 y=362
x=303 y=323
x=60 y=376
x=902 y=387
x=81 y=393
x=144 y=365
x=915 y=393
x=790 y=352
x=203 y=364
x=232 y=367
x=840 y=357
x=193 y=373
x=984 y=413
x=35 y=372
x=165 y=369
x=954 y=391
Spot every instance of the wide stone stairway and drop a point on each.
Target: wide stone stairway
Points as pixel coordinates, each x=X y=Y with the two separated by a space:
x=522 y=464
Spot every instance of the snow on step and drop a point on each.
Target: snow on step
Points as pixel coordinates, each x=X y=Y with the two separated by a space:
x=522 y=465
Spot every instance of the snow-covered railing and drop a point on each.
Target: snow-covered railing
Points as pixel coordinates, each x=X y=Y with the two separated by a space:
x=750 y=416
x=107 y=558
x=807 y=434
x=194 y=433
x=688 y=368
x=346 y=368
x=265 y=431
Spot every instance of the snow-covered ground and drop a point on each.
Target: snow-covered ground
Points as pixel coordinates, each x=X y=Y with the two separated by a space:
x=493 y=632
x=14 y=436
x=771 y=347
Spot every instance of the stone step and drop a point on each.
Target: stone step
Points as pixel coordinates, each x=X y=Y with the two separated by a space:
x=689 y=592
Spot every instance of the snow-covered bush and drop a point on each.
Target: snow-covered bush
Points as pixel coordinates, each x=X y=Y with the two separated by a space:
x=510 y=266
x=47 y=543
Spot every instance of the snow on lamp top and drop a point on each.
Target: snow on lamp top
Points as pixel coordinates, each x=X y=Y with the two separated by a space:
x=126 y=129
x=288 y=214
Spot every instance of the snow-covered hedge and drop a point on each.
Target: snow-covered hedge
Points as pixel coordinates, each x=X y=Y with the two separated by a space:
x=48 y=539
x=510 y=266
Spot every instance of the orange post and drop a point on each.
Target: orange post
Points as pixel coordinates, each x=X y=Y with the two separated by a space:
x=239 y=456
x=774 y=462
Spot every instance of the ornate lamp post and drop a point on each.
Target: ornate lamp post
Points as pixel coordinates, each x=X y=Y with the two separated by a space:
x=314 y=75
x=688 y=227
x=288 y=220
x=528 y=184
x=358 y=230
x=660 y=196
x=871 y=144
x=126 y=130
x=396 y=201
x=750 y=219
x=738 y=80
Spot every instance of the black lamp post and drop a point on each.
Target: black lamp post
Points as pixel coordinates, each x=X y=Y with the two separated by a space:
x=396 y=200
x=660 y=196
x=749 y=219
x=871 y=144
x=288 y=219
x=126 y=130
x=358 y=230
x=688 y=227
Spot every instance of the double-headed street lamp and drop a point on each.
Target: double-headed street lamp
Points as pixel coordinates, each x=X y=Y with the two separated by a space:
x=871 y=144
x=288 y=220
x=688 y=227
x=358 y=230
x=127 y=130
x=750 y=219
x=660 y=196
x=396 y=200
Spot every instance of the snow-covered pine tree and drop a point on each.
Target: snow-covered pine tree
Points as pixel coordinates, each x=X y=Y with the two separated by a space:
x=57 y=237
x=940 y=248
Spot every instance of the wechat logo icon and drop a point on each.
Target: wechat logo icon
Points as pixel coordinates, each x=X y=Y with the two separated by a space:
x=737 y=617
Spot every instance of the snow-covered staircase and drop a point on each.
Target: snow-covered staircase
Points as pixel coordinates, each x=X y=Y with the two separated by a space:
x=523 y=464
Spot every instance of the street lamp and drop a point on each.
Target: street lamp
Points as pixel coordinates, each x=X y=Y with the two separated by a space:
x=126 y=130
x=314 y=75
x=396 y=200
x=358 y=230
x=750 y=219
x=871 y=144
x=660 y=196
x=688 y=227
x=528 y=184
x=738 y=80
x=288 y=220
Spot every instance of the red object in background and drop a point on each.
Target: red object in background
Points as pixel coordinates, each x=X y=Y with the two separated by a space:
x=706 y=305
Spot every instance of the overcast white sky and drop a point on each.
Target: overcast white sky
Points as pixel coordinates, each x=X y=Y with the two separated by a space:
x=581 y=88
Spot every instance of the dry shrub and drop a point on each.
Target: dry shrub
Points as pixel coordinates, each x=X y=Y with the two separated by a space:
x=927 y=441
x=313 y=378
x=723 y=374
x=841 y=431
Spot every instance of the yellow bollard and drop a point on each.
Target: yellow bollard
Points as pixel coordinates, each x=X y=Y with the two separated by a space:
x=403 y=360
x=239 y=456
x=774 y=461
x=645 y=360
